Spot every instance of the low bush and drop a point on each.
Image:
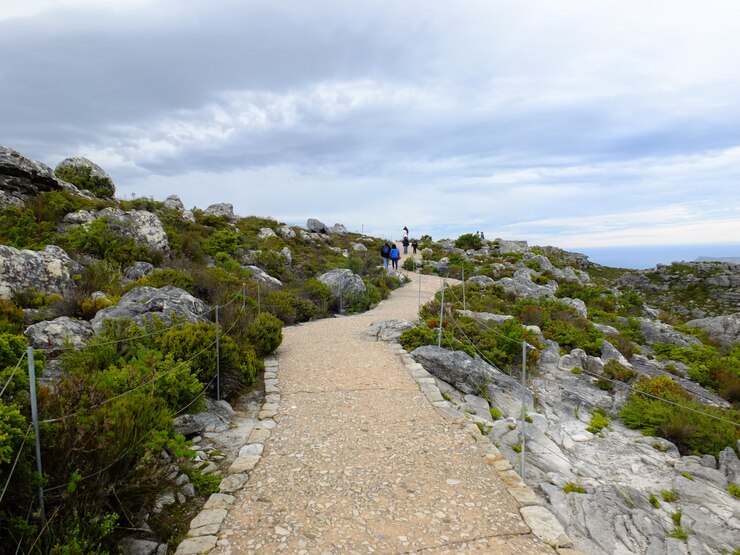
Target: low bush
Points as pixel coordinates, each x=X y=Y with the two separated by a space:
x=82 y=177
x=573 y=488
x=265 y=333
x=598 y=422
x=468 y=241
x=693 y=428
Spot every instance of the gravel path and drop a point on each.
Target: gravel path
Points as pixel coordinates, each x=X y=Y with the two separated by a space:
x=361 y=462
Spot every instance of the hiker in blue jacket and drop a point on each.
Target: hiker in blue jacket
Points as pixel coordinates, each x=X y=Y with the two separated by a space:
x=385 y=252
x=395 y=255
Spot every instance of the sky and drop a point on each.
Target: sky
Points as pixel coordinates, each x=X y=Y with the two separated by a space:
x=581 y=124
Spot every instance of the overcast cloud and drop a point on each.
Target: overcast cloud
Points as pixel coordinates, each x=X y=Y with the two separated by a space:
x=572 y=123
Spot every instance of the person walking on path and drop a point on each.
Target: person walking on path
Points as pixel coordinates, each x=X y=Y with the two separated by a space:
x=395 y=255
x=405 y=232
x=385 y=252
x=405 y=244
x=414 y=245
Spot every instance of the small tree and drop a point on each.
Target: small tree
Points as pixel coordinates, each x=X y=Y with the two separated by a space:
x=468 y=241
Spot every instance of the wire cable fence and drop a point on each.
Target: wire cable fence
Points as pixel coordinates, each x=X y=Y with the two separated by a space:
x=236 y=318
x=613 y=381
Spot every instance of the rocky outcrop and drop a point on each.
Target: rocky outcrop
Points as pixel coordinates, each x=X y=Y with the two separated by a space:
x=658 y=332
x=486 y=316
x=266 y=232
x=143 y=304
x=468 y=374
x=173 y=202
x=216 y=418
x=223 y=209
x=315 y=226
x=137 y=271
x=337 y=229
x=50 y=271
x=522 y=285
x=79 y=164
x=725 y=329
x=61 y=333
x=388 y=330
x=22 y=178
x=510 y=246
x=483 y=281
x=262 y=277
x=343 y=283
x=286 y=232
x=143 y=227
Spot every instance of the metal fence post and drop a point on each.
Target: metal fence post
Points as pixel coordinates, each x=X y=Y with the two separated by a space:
x=259 y=300
x=218 y=359
x=441 y=312
x=35 y=418
x=522 y=454
x=463 y=284
x=419 y=273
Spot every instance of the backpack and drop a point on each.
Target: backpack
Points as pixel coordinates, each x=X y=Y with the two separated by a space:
x=385 y=251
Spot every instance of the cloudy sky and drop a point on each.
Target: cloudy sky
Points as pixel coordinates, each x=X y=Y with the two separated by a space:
x=576 y=123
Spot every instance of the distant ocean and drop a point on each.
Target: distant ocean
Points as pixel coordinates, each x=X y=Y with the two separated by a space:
x=646 y=257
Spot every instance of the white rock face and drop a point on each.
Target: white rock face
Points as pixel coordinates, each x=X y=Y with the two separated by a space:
x=141 y=304
x=144 y=227
x=50 y=271
x=266 y=232
x=173 y=202
x=343 y=282
x=259 y=275
x=286 y=232
x=222 y=209
x=725 y=329
x=55 y=335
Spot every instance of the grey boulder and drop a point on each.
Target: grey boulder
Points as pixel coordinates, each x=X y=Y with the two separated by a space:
x=468 y=374
x=77 y=163
x=658 y=332
x=483 y=281
x=173 y=202
x=260 y=276
x=22 y=178
x=388 y=330
x=56 y=335
x=343 y=282
x=315 y=226
x=143 y=304
x=143 y=227
x=222 y=209
x=50 y=271
x=137 y=271
x=725 y=329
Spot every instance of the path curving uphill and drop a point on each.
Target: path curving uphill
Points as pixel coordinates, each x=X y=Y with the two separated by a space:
x=360 y=461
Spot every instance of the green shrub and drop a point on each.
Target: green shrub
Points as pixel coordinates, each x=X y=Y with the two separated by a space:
x=83 y=178
x=517 y=448
x=11 y=318
x=573 y=488
x=265 y=333
x=409 y=264
x=669 y=496
x=195 y=343
x=468 y=241
x=691 y=426
x=422 y=335
x=484 y=430
x=613 y=370
x=162 y=278
x=598 y=422
x=654 y=501
x=734 y=490
x=495 y=413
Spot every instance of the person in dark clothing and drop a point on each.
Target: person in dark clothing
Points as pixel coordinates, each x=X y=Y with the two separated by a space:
x=395 y=255
x=405 y=244
x=414 y=245
x=385 y=252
